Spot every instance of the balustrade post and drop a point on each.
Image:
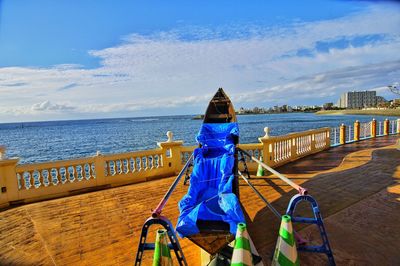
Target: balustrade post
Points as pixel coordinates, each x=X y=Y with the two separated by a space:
x=398 y=126
x=267 y=152
x=171 y=154
x=9 y=190
x=293 y=148
x=356 y=131
x=328 y=138
x=2 y=152
x=373 y=128
x=313 y=141
x=386 y=127
x=342 y=134
x=99 y=164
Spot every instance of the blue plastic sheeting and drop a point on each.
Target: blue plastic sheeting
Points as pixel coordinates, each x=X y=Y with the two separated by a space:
x=210 y=194
x=217 y=135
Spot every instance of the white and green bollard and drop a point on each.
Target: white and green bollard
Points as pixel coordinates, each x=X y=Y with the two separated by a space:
x=162 y=254
x=242 y=251
x=260 y=169
x=285 y=250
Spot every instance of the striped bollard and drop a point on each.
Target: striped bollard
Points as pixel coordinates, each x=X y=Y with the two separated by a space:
x=373 y=128
x=285 y=250
x=162 y=254
x=386 y=126
x=342 y=134
x=242 y=252
x=356 y=131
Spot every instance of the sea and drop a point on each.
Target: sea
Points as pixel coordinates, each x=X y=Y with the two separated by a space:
x=58 y=140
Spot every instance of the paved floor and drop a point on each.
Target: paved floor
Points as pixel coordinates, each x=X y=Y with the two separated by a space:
x=355 y=186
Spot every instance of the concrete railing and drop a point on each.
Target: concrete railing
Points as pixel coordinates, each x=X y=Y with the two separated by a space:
x=283 y=149
x=360 y=131
x=38 y=181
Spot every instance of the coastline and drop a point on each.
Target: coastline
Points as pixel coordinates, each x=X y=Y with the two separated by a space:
x=200 y=117
x=380 y=112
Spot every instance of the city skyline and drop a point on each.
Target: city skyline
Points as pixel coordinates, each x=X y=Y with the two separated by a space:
x=78 y=60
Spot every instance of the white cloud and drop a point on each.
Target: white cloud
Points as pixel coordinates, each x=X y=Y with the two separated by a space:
x=329 y=83
x=48 y=106
x=255 y=64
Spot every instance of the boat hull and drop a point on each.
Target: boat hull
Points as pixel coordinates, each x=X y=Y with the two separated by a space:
x=215 y=235
x=220 y=109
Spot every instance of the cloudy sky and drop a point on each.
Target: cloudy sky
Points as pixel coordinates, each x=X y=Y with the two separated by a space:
x=94 y=59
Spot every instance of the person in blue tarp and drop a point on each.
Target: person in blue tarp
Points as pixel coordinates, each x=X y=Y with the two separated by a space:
x=210 y=194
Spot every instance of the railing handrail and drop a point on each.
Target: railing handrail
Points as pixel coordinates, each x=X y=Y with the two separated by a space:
x=123 y=155
x=54 y=164
x=299 y=134
x=188 y=148
x=250 y=145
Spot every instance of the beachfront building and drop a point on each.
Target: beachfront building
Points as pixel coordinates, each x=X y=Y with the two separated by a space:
x=327 y=106
x=359 y=99
x=395 y=102
x=380 y=99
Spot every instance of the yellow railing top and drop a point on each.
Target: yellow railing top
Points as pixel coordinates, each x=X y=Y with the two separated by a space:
x=298 y=134
x=188 y=148
x=246 y=146
x=54 y=164
x=132 y=154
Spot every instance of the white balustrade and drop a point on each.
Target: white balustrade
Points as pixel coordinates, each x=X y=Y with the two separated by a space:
x=34 y=176
x=134 y=162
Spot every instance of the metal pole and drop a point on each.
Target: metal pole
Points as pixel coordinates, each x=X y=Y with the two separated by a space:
x=301 y=190
x=157 y=212
x=261 y=196
x=300 y=240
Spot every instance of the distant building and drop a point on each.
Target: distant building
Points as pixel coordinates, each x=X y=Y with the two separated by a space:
x=241 y=110
x=380 y=99
x=395 y=103
x=327 y=106
x=358 y=99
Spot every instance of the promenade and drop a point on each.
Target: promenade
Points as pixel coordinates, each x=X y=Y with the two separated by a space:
x=356 y=185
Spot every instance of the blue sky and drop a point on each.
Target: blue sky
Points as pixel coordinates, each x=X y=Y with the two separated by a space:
x=89 y=59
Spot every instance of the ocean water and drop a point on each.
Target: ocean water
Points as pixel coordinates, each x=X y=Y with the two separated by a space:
x=57 y=140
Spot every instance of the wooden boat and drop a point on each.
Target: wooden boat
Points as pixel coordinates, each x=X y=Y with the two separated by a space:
x=215 y=235
x=220 y=109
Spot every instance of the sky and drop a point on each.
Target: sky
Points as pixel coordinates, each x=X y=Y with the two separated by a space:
x=97 y=59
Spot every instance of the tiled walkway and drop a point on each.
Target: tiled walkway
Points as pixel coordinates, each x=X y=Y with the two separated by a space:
x=355 y=186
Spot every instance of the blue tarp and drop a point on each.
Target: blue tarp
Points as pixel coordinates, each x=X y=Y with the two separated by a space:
x=210 y=194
